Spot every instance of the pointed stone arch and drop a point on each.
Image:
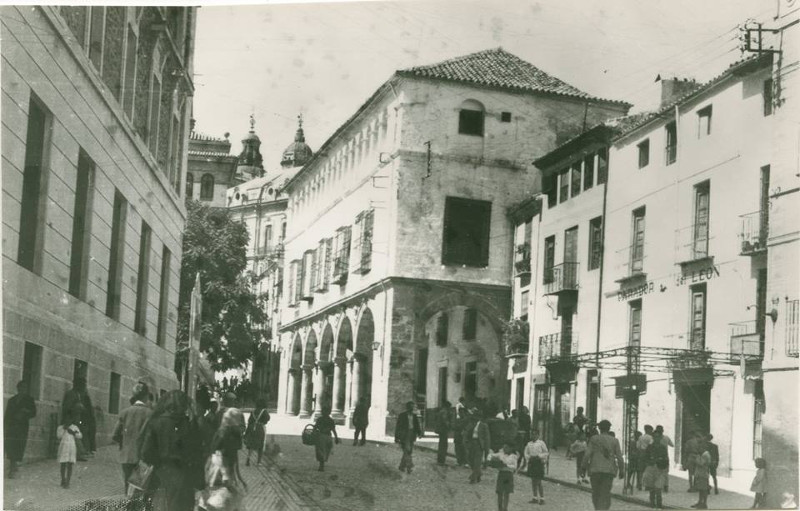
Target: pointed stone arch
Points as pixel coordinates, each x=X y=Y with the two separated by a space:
x=295 y=376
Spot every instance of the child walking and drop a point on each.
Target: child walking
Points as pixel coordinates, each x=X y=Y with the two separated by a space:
x=507 y=463
x=67 y=432
x=577 y=450
x=536 y=455
x=760 y=484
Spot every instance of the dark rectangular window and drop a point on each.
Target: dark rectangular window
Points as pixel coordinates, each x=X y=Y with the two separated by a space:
x=81 y=226
x=644 y=153
x=637 y=242
x=442 y=329
x=469 y=329
x=697 y=333
x=341 y=263
x=768 y=97
x=505 y=117
x=116 y=260
x=550 y=187
x=602 y=165
x=32 y=368
x=421 y=383
x=466 y=232
x=163 y=297
x=563 y=185
x=671 y=149
x=549 y=258
x=283 y=232
x=142 y=280
x=758 y=414
x=96 y=33
x=595 y=243
x=113 y=393
x=704 y=122
x=635 y=327
x=442 y=385
x=588 y=172
x=470 y=122
x=155 y=114
x=80 y=369
x=701 y=216
x=130 y=72
x=267 y=238
x=576 y=178
x=291 y=288
x=34 y=187
x=471 y=379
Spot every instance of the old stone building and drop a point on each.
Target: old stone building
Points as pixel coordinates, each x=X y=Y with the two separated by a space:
x=212 y=169
x=398 y=247
x=95 y=117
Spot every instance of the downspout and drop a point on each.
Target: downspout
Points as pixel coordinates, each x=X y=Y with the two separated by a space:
x=603 y=255
x=532 y=315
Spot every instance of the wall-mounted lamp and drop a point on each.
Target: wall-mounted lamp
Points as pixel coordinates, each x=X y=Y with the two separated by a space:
x=376 y=346
x=773 y=314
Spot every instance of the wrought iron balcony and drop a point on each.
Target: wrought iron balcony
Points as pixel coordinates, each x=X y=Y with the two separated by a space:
x=522 y=263
x=691 y=243
x=561 y=278
x=554 y=348
x=746 y=339
x=753 y=234
x=515 y=338
x=340 y=266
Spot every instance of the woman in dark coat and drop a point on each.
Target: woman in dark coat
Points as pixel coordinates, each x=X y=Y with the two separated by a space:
x=254 y=436
x=324 y=427
x=19 y=411
x=172 y=444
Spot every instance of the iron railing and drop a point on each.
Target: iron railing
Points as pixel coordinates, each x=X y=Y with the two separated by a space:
x=522 y=263
x=557 y=347
x=753 y=234
x=745 y=339
x=562 y=277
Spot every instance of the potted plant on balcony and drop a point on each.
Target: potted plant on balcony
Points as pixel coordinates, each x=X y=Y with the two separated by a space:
x=515 y=338
x=523 y=261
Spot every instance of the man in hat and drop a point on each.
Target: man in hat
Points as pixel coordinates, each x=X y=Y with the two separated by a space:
x=129 y=428
x=20 y=409
x=602 y=460
x=406 y=433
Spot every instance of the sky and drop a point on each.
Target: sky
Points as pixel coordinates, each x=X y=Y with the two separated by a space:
x=324 y=60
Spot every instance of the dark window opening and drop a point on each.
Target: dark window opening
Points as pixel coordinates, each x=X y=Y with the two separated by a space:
x=115 y=262
x=32 y=368
x=471 y=379
x=563 y=185
x=505 y=117
x=602 y=166
x=207 y=187
x=189 y=185
x=470 y=327
x=96 y=29
x=588 y=172
x=595 y=243
x=576 y=178
x=421 y=382
x=113 y=393
x=550 y=187
x=130 y=72
x=635 y=326
x=704 y=122
x=671 y=148
x=549 y=258
x=644 y=153
x=442 y=329
x=34 y=188
x=442 y=385
x=470 y=122
x=466 y=232
x=142 y=281
x=768 y=97
x=81 y=226
x=163 y=297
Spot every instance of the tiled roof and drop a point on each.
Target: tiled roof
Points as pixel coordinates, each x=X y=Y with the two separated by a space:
x=195 y=135
x=211 y=154
x=498 y=68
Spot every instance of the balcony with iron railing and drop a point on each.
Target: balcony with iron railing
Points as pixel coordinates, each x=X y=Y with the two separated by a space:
x=692 y=243
x=746 y=339
x=561 y=278
x=516 y=338
x=558 y=347
x=522 y=261
x=753 y=234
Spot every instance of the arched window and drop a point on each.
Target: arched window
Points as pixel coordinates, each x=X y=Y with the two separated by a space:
x=189 y=185
x=470 y=118
x=207 y=187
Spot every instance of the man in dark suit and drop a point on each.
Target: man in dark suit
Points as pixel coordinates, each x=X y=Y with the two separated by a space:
x=603 y=459
x=406 y=433
x=444 y=424
x=361 y=421
x=713 y=450
x=477 y=438
x=129 y=428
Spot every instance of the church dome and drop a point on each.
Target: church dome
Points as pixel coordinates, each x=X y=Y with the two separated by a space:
x=251 y=155
x=297 y=153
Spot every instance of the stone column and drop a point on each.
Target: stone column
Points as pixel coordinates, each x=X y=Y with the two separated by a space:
x=355 y=392
x=290 y=388
x=306 y=390
x=317 y=395
x=338 y=387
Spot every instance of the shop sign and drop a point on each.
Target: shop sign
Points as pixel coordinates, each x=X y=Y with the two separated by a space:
x=697 y=276
x=636 y=291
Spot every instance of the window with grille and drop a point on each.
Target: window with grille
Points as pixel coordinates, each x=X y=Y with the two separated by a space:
x=595 y=243
x=792 y=309
x=362 y=244
x=466 y=232
x=341 y=260
x=470 y=328
x=442 y=333
x=309 y=274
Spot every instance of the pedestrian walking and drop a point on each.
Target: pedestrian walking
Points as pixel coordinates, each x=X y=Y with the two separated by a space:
x=577 y=450
x=713 y=450
x=580 y=419
x=172 y=444
x=256 y=431
x=478 y=445
x=224 y=483
x=406 y=433
x=667 y=441
x=536 y=455
x=759 y=484
x=325 y=427
x=633 y=474
x=690 y=453
x=701 y=472
x=458 y=436
x=361 y=421
x=128 y=431
x=20 y=409
x=67 y=434
x=655 y=459
x=444 y=424
x=506 y=463
x=77 y=402
x=603 y=459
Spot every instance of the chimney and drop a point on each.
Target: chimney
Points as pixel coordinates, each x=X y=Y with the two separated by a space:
x=675 y=88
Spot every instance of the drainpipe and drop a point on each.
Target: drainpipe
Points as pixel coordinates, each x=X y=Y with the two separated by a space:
x=534 y=290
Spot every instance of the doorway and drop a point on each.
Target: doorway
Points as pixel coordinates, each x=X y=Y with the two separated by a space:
x=520 y=393
x=695 y=410
x=561 y=415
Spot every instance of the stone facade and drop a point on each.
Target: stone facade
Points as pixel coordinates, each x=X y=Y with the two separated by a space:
x=212 y=169
x=64 y=117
